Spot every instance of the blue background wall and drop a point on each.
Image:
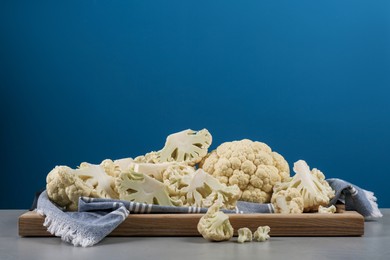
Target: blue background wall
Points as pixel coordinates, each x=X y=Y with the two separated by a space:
x=89 y=80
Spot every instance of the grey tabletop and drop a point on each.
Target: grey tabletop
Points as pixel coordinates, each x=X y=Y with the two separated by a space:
x=375 y=244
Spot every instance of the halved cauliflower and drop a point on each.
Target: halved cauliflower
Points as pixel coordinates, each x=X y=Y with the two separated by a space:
x=187 y=146
x=253 y=166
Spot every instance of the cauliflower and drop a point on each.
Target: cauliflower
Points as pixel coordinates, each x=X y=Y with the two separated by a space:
x=261 y=234
x=327 y=210
x=154 y=170
x=65 y=185
x=252 y=166
x=244 y=234
x=198 y=188
x=187 y=146
x=139 y=187
x=311 y=185
x=287 y=201
x=215 y=225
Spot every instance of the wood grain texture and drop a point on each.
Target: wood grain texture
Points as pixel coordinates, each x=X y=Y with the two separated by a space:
x=344 y=223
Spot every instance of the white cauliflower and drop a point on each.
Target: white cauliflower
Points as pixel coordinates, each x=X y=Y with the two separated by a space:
x=244 y=235
x=288 y=201
x=139 y=187
x=187 y=146
x=261 y=234
x=327 y=210
x=215 y=225
x=65 y=185
x=198 y=188
x=312 y=186
x=250 y=165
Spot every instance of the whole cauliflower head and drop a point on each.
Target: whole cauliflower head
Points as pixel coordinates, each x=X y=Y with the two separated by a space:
x=252 y=166
x=215 y=225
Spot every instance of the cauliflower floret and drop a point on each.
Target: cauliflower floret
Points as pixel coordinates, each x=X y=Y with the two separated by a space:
x=252 y=166
x=215 y=225
x=244 y=235
x=311 y=185
x=327 y=210
x=261 y=234
x=288 y=201
x=187 y=146
x=65 y=185
x=64 y=188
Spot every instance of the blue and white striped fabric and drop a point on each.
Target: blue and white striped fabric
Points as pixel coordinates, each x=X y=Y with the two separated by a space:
x=96 y=218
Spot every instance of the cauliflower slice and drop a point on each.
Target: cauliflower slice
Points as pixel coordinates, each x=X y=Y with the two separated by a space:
x=187 y=146
x=288 y=201
x=244 y=235
x=215 y=225
x=312 y=186
x=95 y=176
x=65 y=185
x=139 y=187
x=198 y=188
x=261 y=234
x=327 y=210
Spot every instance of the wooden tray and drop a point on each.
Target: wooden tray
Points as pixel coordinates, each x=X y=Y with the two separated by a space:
x=342 y=223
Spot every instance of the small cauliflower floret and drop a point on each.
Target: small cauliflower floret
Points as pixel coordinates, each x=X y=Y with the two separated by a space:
x=187 y=146
x=261 y=234
x=139 y=187
x=65 y=185
x=252 y=166
x=287 y=201
x=311 y=185
x=244 y=235
x=215 y=225
x=327 y=210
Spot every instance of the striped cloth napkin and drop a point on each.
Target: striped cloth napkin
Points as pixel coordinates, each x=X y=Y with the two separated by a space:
x=96 y=217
